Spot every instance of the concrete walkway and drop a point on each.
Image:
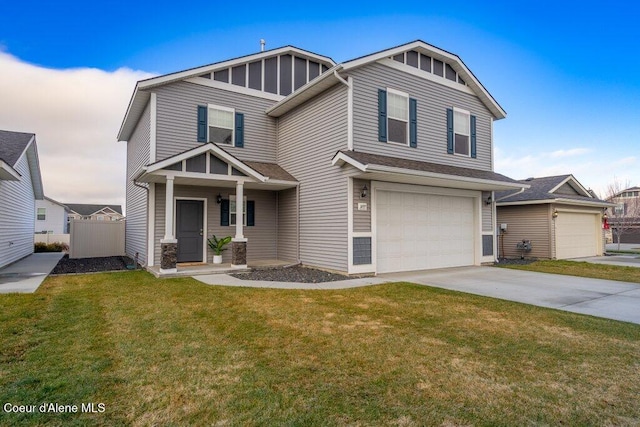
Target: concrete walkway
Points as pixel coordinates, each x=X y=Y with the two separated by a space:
x=26 y=275
x=601 y=298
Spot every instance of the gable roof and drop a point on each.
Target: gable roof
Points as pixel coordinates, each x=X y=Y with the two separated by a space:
x=546 y=190
x=374 y=165
x=90 y=209
x=331 y=77
x=13 y=145
x=66 y=208
x=141 y=95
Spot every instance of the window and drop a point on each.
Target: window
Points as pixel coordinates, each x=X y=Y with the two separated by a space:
x=221 y=124
x=398 y=116
x=461 y=143
x=100 y=217
x=619 y=209
x=232 y=210
x=42 y=214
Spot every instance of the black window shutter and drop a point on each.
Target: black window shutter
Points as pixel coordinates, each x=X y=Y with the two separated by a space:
x=449 y=130
x=251 y=213
x=202 y=123
x=224 y=212
x=413 y=123
x=239 y=130
x=382 y=115
x=472 y=124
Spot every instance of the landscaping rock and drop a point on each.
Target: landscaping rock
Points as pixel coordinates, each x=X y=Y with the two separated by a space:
x=291 y=274
x=91 y=265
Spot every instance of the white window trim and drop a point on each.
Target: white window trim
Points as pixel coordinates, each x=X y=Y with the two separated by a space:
x=233 y=212
x=233 y=125
x=405 y=95
x=468 y=113
x=44 y=214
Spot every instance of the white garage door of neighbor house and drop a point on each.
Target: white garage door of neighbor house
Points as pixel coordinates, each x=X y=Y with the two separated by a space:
x=423 y=231
x=576 y=235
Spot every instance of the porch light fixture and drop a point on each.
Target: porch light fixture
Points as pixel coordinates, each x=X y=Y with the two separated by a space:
x=604 y=215
x=363 y=194
x=219 y=199
x=555 y=214
x=488 y=201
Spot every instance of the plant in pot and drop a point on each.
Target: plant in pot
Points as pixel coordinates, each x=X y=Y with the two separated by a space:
x=218 y=246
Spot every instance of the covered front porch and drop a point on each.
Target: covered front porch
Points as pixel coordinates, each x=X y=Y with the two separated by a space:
x=205 y=192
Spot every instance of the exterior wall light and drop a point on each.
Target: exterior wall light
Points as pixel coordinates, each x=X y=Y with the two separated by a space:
x=219 y=199
x=364 y=192
x=555 y=214
x=488 y=201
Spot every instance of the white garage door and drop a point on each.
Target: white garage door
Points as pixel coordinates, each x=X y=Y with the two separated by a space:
x=422 y=231
x=576 y=235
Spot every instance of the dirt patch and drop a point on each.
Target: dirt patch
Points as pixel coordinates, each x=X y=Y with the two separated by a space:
x=92 y=265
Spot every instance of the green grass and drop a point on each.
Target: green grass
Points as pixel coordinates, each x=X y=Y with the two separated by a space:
x=581 y=269
x=178 y=352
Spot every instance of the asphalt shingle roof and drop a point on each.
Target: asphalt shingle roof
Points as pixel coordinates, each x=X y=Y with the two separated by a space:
x=85 y=209
x=12 y=145
x=540 y=189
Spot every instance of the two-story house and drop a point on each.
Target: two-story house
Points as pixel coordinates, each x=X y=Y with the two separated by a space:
x=382 y=163
x=625 y=216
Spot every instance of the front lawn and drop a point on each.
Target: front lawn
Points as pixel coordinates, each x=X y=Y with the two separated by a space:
x=178 y=352
x=581 y=269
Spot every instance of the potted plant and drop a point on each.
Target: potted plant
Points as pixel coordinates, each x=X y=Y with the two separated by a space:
x=218 y=246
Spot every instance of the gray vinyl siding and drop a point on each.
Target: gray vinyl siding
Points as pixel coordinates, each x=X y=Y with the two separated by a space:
x=361 y=219
x=17 y=215
x=288 y=225
x=136 y=202
x=567 y=189
x=177 y=105
x=433 y=99
x=308 y=138
x=487 y=219
x=528 y=222
x=261 y=238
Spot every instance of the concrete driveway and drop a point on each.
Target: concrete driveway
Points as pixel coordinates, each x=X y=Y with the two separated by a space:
x=27 y=274
x=601 y=298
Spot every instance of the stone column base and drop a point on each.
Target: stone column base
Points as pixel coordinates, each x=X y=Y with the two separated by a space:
x=239 y=253
x=168 y=256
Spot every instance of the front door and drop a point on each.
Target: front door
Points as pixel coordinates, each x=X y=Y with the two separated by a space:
x=189 y=230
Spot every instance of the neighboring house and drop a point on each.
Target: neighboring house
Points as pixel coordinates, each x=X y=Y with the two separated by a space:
x=95 y=212
x=20 y=187
x=624 y=217
x=382 y=163
x=556 y=214
x=51 y=217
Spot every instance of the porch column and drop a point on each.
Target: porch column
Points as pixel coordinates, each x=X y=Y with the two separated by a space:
x=169 y=245
x=239 y=242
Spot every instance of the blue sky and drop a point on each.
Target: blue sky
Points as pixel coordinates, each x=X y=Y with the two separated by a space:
x=565 y=72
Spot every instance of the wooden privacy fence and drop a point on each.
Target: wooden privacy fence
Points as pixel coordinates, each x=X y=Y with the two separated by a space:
x=92 y=238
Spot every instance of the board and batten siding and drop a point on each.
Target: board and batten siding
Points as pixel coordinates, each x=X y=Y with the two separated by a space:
x=17 y=215
x=288 y=225
x=527 y=222
x=177 y=121
x=308 y=138
x=261 y=237
x=137 y=207
x=361 y=219
x=433 y=99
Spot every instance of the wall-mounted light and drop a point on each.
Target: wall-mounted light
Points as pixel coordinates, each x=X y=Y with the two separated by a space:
x=219 y=199
x=488 y=201
x=555 y=214
x=364 y=192
x=605 y=216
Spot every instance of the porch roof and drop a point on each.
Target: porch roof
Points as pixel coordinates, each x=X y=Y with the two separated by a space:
x=393 y=169
x=255 y=175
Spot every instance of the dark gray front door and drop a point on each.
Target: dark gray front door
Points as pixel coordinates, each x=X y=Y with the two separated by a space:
x=189 y=230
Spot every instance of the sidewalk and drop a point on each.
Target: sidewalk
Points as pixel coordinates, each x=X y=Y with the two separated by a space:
x=26 y=275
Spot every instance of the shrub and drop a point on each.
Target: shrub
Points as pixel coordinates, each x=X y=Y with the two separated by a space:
x=51 y=247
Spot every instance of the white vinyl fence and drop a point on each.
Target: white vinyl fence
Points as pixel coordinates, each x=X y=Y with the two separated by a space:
x=92 y=238
x=51 y=238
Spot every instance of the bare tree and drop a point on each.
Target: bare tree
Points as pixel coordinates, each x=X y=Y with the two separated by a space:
x=625 y=216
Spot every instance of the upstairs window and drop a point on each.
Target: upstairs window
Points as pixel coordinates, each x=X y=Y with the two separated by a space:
x=398 y=116
x=42 y=214
x=461 y=139
x=221 y=125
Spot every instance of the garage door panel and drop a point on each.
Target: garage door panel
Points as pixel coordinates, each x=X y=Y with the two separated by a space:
x=422 y=231
x=577 y=235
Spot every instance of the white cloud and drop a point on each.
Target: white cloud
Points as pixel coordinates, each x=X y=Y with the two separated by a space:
x=569 y=153
x=76 y=115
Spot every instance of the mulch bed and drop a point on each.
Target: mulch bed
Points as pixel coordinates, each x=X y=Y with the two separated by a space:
x=291 y=274
x=91 y=265
x=516 y=261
